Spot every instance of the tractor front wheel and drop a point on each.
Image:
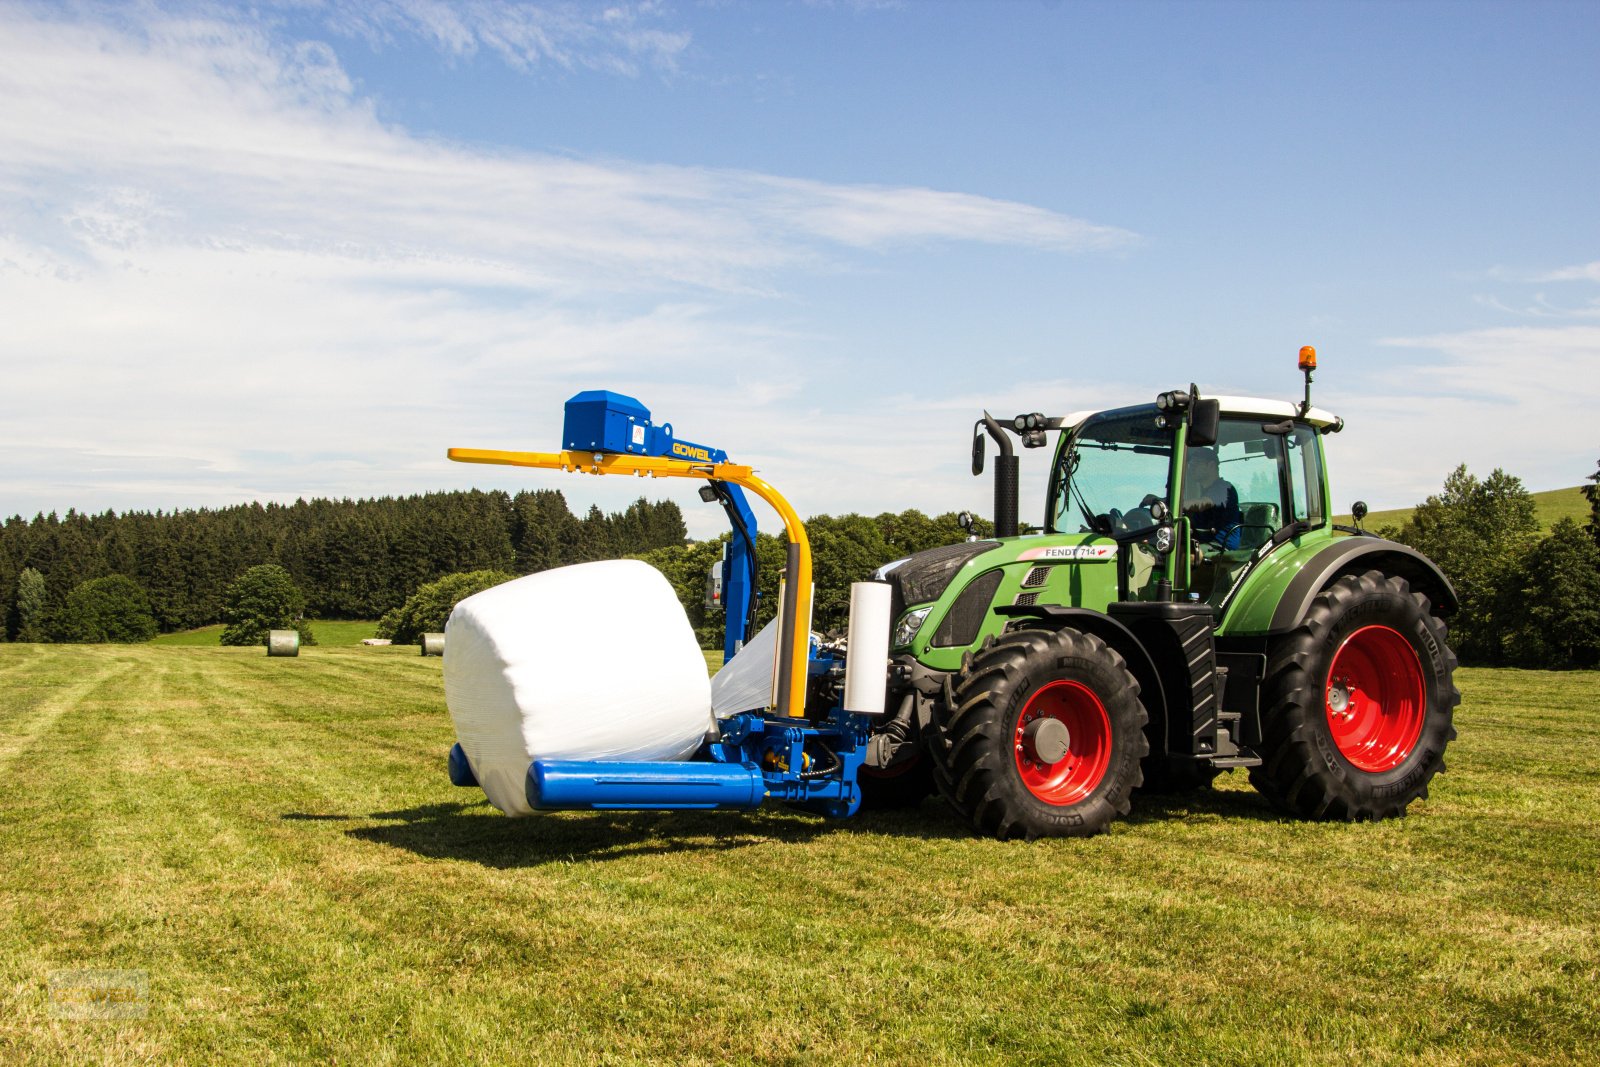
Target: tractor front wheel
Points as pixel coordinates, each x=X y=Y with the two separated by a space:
x=1359 y=700
x=1043 y=738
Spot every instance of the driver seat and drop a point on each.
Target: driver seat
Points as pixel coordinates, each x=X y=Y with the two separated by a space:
x=1260 y=523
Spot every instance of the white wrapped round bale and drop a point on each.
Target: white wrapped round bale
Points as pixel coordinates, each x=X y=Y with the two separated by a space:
x=594 y=662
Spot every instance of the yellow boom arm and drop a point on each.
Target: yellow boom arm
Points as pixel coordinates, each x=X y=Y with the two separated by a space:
x=796 y=620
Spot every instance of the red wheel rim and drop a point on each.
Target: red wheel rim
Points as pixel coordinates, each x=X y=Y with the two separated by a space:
x=1375 y=696
x=1088 y=746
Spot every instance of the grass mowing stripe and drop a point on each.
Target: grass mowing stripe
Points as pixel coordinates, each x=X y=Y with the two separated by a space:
x=24 y=720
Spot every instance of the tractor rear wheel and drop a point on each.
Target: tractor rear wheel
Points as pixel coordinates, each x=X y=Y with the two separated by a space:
x=1359 y=700
x=1043 y=737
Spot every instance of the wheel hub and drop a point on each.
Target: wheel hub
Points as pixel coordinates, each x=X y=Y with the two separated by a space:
x=1339 y=697
x=1046 y=740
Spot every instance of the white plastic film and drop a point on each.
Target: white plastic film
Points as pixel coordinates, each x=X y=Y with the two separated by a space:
x=595 y=662
x=867 y=662
x=745 y=682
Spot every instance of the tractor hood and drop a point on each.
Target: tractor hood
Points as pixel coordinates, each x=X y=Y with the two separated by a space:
x=925 y=576
x=943 y=600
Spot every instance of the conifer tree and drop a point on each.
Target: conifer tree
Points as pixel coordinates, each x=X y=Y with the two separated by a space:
x=32 y=603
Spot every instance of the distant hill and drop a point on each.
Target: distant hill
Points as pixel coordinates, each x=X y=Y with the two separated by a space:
x=1553 y=505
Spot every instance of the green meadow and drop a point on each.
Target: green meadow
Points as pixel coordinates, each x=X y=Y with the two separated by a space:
x=272 y=848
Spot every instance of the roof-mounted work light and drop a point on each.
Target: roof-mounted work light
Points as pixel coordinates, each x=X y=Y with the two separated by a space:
x=1172 y=400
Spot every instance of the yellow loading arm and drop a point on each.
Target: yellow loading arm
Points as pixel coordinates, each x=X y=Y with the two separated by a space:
x=795 y=618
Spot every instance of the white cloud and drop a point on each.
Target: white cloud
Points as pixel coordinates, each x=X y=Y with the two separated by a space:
x=224 y=278
x=1583 y=272
x=615 y=38
x=1519 y=398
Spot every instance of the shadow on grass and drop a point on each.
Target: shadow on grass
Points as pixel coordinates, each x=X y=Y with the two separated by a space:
x=475 y=832
x=1225 y=804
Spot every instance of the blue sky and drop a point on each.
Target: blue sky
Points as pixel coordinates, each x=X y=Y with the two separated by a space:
x=300 y=248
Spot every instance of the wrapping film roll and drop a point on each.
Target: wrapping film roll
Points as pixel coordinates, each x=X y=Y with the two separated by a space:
x=865 y=675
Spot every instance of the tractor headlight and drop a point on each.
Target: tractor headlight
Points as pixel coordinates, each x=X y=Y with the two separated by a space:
x=910 y=623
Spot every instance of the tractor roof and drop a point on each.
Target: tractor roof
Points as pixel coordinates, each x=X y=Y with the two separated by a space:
x=1282 y=409
x=1236 y=405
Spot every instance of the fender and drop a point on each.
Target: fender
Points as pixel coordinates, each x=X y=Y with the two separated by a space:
x=1113 y=633
x=1352 y=556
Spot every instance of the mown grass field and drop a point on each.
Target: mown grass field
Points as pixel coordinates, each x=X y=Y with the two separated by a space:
x=1550 y=507
x=274 y=844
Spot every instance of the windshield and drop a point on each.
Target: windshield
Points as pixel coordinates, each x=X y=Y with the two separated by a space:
x=1116 y=466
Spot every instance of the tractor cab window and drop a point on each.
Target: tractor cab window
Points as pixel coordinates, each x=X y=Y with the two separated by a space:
x=1242 y=490
x=1110 y=473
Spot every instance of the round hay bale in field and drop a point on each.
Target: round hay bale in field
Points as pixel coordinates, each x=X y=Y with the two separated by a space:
x=283 y=642
x=433 y=644
x=527 y=679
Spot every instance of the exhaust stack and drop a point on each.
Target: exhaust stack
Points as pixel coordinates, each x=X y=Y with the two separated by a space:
x=1006 y=468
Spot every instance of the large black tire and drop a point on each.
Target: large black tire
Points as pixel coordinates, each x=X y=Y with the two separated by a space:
x=1358 y=702
x=984 y=759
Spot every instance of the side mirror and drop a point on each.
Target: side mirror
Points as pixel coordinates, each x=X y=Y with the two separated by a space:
x=1204 y=418
x=977 y=449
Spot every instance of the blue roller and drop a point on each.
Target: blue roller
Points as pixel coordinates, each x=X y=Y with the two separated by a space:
x=568 y=784
x=460 y=770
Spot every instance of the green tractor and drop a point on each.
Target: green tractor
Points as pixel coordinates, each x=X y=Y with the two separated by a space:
x=1189 y=608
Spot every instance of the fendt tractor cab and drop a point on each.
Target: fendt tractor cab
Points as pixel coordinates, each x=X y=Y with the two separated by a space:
x=1189 y=608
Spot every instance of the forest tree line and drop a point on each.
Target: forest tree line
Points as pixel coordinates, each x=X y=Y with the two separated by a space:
x=351 y=559
x=1528 y=598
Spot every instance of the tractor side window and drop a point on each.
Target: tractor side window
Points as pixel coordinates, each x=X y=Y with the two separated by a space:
x=1233 y=490
x=1305 y=474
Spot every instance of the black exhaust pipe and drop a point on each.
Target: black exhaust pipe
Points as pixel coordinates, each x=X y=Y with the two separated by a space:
x=1006 y=468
